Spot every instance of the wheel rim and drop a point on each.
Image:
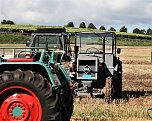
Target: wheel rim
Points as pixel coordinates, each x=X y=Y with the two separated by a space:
x=21 y=104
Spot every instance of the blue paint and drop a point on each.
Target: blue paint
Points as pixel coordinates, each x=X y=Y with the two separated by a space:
x=86 y=76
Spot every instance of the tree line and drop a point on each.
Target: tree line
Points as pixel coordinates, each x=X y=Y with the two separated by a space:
x=7 y=22
x=122 y=29
x=92 y=26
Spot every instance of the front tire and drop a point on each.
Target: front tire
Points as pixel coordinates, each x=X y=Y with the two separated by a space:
x=109 y=91
x=118 y=81
x=29 y=94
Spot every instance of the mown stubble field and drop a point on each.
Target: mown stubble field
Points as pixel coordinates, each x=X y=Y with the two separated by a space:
x=137 y=91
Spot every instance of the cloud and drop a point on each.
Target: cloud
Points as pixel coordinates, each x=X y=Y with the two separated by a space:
x=60 y=12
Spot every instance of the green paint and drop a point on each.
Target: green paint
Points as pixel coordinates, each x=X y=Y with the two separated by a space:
x=40 y=62
x=17 y=111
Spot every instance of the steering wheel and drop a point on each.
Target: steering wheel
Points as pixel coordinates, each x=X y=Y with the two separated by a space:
x=92 y=50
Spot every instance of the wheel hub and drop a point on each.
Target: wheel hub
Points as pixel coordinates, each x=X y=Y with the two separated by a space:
x=17 y=111
x=20 y=107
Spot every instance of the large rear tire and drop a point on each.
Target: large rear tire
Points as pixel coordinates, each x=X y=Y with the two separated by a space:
x=25 y=96
x=67 y=103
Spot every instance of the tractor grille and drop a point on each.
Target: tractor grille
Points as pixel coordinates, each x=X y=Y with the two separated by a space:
x=86 y=67
x=87 y=62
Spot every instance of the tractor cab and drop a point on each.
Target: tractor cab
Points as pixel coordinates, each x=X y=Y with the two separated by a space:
x=96 y=63
x=51 y=39
x=95 y=49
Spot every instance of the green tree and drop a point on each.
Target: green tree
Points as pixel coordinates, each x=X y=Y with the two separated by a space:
x=7 y=22
x=137 y=31
x=70 y=24
x=82 y=25
x=149 y=31
x=91 y=26
x=3 y=22
x=112 y=29
x=123 y=29
x=142 y=31
x=102 y=28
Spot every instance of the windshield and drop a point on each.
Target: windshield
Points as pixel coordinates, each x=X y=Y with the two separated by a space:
x=93 y=42
x=48 y=41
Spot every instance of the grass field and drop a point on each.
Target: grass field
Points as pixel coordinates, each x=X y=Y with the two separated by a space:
x=137 y=91
x=120 y=35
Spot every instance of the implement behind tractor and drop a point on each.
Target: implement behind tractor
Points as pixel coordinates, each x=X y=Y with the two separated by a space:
x=34 y=85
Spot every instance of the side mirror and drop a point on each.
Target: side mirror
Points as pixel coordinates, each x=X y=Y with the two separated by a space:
x=28 y=42
x=118 y=50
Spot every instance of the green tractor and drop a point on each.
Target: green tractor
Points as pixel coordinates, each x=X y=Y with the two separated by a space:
x=54 y=38
x=34 y=85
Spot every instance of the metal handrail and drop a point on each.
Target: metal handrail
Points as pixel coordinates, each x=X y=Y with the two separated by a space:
x=30 y=49
x=15 y=48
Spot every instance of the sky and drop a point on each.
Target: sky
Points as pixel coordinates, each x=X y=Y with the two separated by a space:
x=108 y=13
